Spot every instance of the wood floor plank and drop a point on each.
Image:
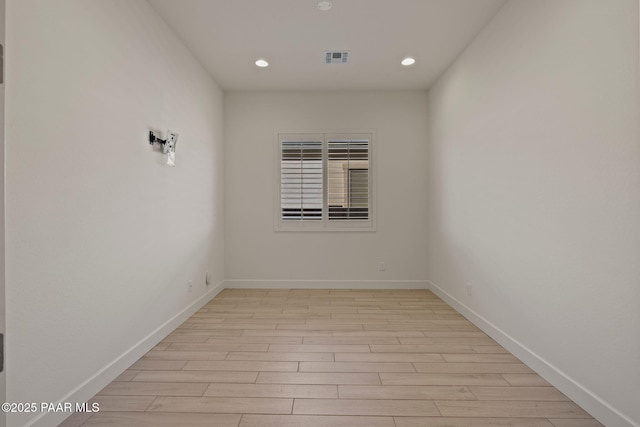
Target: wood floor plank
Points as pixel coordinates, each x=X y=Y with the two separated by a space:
x=466 y=327
x=525 y=380
x=355 y=323
x=405 y=392
x=330 y=357
x=222 y=405
x=391 y=333
x=314 y=421
x=365 y=407
x=306 y=348
x=432 y=315
x=151 y=419
x=442 y=379
x=350 y=340
x=316 y=309
x=424 y=348
x=321 y=327
x=228 y=326
x=392 y=310
x=473 y=368
x=280 y=356
x=518 y=393
x=388 y=357
x=367 y=317
x=158 y=365
x=122 y=403
x=470 y=422
x=214 y=315
x=281 y=316
x=197 y=376
x=356 y=367
x=455 y=334
x=489 y=349
x=285 y=333
x=254 y=340
x=396 y=327
x=481 y=358
x=317 y=378
x=270 y=318
x=186 y=355
x=294 y=391
x=567 y=422
x=447 y=340
x=209 y=333
x=161 y=346
x=218 y=347
x=509 y=409
x=128 y=375
x=133 y=388
x=186 y=338
x=248 y=366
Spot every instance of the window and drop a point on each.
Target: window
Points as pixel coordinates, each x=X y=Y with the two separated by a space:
x=325 y=182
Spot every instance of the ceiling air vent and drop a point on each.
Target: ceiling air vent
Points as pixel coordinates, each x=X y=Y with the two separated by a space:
x=336 y=57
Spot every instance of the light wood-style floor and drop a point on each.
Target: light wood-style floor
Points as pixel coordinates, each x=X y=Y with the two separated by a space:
x=309 y=358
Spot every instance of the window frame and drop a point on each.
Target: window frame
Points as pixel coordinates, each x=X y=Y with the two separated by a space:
x=325 y=224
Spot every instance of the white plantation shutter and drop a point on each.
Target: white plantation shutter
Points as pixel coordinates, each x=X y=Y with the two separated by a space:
x=325 y=182
x=301 y=180
x=348 y=180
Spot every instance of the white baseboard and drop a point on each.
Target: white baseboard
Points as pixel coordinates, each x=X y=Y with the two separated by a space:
x=590 y=402
x=325 y=284
x=99 y=380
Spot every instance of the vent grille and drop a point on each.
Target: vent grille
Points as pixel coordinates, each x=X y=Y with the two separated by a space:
x=336 y=57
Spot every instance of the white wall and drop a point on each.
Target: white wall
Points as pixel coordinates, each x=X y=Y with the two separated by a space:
x=534 y=178
x=3 y=374
x=256 y=255
x=102 y=236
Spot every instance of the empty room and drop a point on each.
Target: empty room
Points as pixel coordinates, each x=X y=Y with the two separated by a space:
x=254 y=213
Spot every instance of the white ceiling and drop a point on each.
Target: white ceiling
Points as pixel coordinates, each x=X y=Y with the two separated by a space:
x=227 y=36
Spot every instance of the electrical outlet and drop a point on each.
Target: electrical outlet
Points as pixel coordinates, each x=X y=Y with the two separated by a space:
x=381 y=266
x=469 y=289
x=190 y=285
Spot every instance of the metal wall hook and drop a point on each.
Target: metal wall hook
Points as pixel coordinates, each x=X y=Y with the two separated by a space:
x=153 y=139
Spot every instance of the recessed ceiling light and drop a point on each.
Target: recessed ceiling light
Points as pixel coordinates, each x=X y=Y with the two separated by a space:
x=324 y=5
x=262 y=63
x=408 y=61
